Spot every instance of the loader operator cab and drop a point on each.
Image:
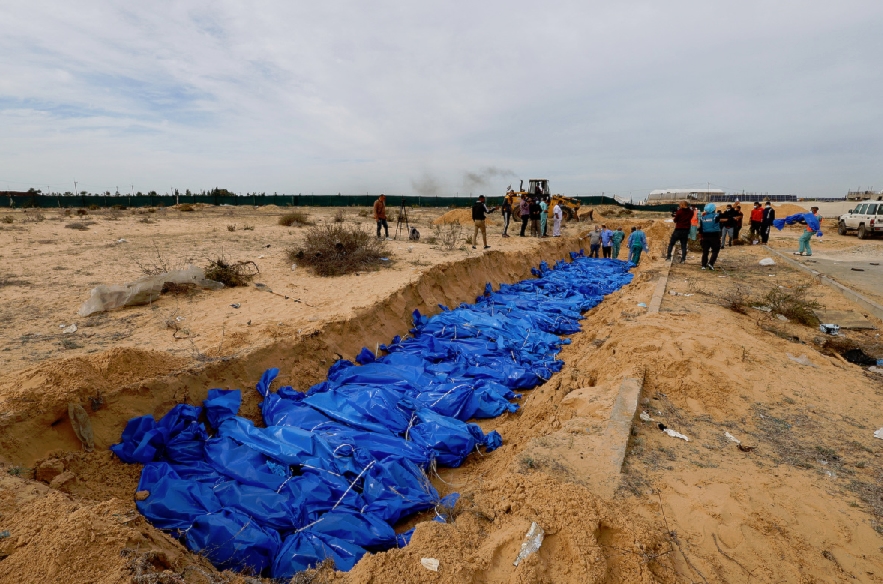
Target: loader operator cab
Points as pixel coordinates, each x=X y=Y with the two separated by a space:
x=538 y=186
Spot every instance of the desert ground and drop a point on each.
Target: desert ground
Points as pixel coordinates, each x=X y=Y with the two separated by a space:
x=800 y=501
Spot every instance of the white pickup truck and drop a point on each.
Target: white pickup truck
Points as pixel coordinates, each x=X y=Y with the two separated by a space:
x=866 y=219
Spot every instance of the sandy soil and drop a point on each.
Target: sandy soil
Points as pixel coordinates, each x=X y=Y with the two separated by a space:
x=802 y=506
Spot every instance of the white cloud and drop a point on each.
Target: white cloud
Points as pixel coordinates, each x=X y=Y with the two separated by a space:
x=355 y=97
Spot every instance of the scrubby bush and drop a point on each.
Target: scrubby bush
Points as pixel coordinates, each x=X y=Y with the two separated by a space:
x=7 y=219
x=295 y=218
x=185 y=207
x=339 y=217
x=229 y=273
x=793 y=304
x=337 y=249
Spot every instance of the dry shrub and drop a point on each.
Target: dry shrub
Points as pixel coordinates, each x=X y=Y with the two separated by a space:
x=447 y=236
x=248 y=227
x=339 y=217
x=231 y=227
x=737 y=299
x=7 y=219
x=34 y=217
x=231 y=274
x=186 y=208
x=296 y=218
x=793 y=304
x=85 y=212
x=77 y=225
x=334 y=250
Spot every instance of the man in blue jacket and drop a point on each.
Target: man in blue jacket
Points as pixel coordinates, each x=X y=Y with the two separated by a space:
x=710 y=232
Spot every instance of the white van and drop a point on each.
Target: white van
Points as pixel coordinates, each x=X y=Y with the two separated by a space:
x=866 y=219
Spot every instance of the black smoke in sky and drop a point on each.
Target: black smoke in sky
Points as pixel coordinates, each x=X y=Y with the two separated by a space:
x=427 y=186
x=473 y=181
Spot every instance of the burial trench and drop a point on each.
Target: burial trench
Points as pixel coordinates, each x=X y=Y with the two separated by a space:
x=338 y=340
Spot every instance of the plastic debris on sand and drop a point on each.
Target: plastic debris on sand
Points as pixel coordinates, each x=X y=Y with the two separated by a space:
x=334 y=468
x=143 y=291
x=429 y=564
x=675 y=434
x=532 y=542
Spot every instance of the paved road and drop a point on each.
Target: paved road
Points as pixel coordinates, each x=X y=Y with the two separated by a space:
x=868 y=282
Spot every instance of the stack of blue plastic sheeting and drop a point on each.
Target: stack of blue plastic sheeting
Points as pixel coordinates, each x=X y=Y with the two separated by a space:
x=337 y=466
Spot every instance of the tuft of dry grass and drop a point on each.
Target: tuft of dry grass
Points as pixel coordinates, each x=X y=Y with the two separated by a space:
x=186 y=208
x=337 y=249
x=231 y=274
x=295 y=218
x=7 y=219
x=78 y=226
x=339 y=216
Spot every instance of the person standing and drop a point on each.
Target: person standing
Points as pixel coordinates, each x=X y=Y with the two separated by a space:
x=535 y=210
x=557 y=215
x=737 y=220
x=380 y=215
x=694 y=224
x=710 y=234
x=544 y=215
x=508 y=202
x=479 y=213
x=756 y=221
x=617 y=238
x=606 y=241
x=726 y=222
x=594 y=242
x=810 y=230
x=524 y=213
x=769 y=215
x=682 y=218
x=637 y=243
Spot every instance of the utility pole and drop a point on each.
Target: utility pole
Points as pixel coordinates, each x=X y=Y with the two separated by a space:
x=75 y=188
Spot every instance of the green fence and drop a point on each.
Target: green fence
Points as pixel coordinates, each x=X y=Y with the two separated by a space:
x=29 y=200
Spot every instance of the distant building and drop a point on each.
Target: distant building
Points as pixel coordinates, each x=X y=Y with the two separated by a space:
x=863 y=195
x=673 y=195
x=662 y=196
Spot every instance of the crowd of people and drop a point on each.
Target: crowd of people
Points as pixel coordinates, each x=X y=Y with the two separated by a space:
x=714 y=228
x=533 y=212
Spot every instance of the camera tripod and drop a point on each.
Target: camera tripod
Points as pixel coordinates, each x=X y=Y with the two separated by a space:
x=403 y=219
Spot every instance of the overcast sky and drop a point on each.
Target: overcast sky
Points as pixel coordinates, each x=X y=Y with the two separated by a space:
x=615 y=96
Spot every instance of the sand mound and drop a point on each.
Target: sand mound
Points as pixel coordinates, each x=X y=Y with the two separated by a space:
x=785 y=209
x=482 y=543
x=461 y=216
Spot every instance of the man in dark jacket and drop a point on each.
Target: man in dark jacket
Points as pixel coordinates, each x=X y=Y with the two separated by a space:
x=737 y=219
x=769 y=215
x=727 y=223
x=682 y=218
x=479 y=212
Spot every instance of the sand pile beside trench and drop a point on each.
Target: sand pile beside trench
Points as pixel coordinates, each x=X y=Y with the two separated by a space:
x=785 y=209
x=461 y=216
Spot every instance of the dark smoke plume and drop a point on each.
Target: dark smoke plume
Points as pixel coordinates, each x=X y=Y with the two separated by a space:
x=482 y=179
x=426 y=186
